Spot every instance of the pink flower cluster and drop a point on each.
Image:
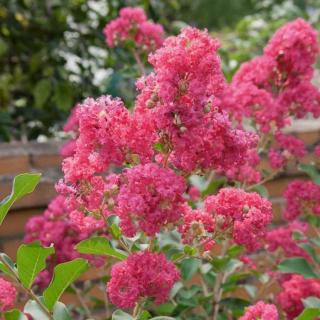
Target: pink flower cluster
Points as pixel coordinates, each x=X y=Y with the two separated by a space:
x=55 y=227
x=182 y=99
x=301 y=197
x=197 y=228
x=143 y=274
x=246 y=215
x=176 y=122
x=277 y=85
x=149 y=197
x=108 y=133
x=293 y=291
x=261 y=311
x=8 y=295
x=132 y=27
x=247 y=172
x=282 y=237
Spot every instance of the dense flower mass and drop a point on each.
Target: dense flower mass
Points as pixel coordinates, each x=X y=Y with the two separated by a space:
x=282 y=237
x=302 y=197
x=149 y=197
x=277 y=85
x=197 y=227
x=143 y=274
x=294 y=47
x=7 y=295
x=182 y=99
x=293 y=291
x=132 y=26
x=261 y=311
x=55 y=227
x=245 y=214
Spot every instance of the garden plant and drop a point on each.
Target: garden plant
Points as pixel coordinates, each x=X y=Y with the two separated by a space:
x=165 y=201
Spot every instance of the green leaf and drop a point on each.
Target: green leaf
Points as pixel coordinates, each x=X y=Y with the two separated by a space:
x=64 y=275
x=115 y=231
x=9 y=266
x=311 y=302
x=232 y=265
x=99 y=246
x=121 y=315
x=262 y=190
x=41 y=92
x=297 y=265
x=189 y=250
x=60 y=312
x=22 y=184
x=311 y=170
x=64 y=96
x=189 y=267
x=310 y=250
x=31 y=260
x=309 y=314
x=162 y=318
x=145 y=315
x=5 y=269
x=15 y=314
x=165 y=308
x=213 y=187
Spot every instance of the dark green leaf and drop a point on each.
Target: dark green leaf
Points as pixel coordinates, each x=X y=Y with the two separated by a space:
x=312 y=171
x=213 y=187
x=41 y=92
x=297 y=265
x=189 y=267
x=64 y=96
x=262 y=190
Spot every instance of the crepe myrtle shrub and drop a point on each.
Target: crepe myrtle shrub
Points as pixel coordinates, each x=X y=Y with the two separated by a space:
x=166 y=201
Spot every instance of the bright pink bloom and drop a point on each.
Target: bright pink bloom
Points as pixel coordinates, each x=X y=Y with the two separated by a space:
x=69 y=148
x=295 y=48
x=143 y=274
x=197 y=226
x=282 y=237
x=293 y=145
x=302 y=197
x=277 y=85
x=132 y=25
x=247 y=172
x=276 y=159
x=317 y=151
x=293 y=291
x=248 y=262
x=8 y=295
x=72 y=121
x=182 y=101
x=247 y=214
x=261 y=311
x=149 y=197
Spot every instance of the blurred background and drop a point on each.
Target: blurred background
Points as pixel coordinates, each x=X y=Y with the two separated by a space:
x=53 y=53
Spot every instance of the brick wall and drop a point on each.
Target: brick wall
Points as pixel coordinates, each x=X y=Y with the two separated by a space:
x=18 y=158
